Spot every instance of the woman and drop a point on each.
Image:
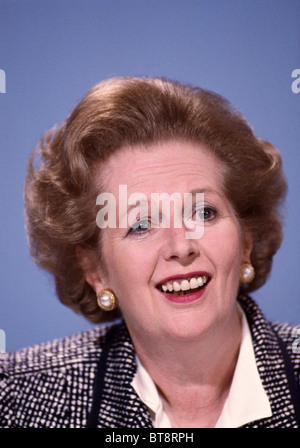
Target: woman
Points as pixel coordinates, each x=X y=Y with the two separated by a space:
x=191 y=349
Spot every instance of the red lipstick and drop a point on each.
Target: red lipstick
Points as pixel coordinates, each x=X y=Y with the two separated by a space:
x=184 y=277
x=187 y=296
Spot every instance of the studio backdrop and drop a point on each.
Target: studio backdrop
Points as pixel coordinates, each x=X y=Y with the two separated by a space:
x=53 y=51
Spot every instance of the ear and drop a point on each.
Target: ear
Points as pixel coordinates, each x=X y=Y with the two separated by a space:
x=93 y=272
x=247 y=246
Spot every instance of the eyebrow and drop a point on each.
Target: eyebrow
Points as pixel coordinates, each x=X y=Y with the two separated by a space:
x=142 y=202
x=204 y=190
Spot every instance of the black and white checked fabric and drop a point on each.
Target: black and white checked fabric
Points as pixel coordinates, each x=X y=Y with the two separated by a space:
x=52 y=385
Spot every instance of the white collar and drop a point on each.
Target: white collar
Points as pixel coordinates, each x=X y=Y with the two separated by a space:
x=247 y=400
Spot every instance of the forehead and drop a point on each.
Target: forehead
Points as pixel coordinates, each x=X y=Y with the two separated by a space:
x=161 y=167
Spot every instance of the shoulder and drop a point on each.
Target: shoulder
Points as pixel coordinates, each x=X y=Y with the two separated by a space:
x=257 y=319
x=57 y=354
x=290 y=336
x=267 y=335
x=39 y=385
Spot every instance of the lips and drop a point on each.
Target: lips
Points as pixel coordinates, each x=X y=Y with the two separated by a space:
x=187 y=287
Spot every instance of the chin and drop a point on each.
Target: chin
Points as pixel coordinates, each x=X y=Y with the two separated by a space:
x=187 y=328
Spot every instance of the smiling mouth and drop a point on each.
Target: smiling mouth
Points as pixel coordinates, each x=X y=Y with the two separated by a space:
x=182 y=287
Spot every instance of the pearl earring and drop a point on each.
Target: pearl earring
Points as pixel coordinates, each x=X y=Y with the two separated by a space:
x=107 y=300
x=247 y=273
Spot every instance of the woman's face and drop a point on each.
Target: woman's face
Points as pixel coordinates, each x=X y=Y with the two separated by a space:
x=143 y=263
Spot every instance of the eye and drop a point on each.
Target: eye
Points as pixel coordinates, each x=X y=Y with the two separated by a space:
x=140 y=227
x=206 y=213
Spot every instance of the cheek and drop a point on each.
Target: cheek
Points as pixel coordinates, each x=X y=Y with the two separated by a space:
x=225 y=246
x=127 y=263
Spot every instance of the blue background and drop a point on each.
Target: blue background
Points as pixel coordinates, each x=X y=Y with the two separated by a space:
x=53 y=51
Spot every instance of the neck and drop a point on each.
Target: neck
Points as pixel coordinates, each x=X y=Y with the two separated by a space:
x=193 y=377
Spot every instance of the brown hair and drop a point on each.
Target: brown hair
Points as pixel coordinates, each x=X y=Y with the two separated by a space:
x=60 y=196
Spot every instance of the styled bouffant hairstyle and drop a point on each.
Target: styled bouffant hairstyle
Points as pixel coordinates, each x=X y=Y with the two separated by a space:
x=60 y=194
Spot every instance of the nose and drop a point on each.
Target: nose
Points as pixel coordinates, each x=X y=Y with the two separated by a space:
x=178 y=247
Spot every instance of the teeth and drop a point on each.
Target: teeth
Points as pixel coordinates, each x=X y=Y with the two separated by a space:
x=194 y=283
x=176 y=286
x=185 y=285
x=170 y=287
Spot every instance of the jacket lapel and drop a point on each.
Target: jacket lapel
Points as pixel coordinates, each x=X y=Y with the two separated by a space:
x=271 y=368
x=120 y=405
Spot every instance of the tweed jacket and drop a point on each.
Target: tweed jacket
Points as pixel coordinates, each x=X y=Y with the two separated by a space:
x=85 y=380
